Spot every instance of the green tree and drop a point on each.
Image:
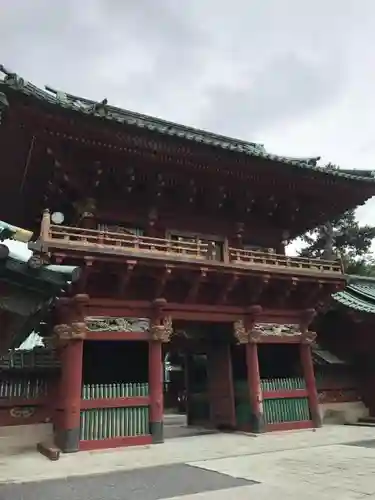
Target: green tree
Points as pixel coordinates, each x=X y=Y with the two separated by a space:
x=351 y=242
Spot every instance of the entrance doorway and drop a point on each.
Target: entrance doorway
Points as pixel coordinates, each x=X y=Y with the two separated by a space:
x=198 y=390
x=285 y=398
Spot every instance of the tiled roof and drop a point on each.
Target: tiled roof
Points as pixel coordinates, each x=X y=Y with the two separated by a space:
x=32 y=288
x=106 y=112
x=324 y=357
x=359 y=294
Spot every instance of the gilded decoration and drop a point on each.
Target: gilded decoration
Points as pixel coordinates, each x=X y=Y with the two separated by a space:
x=162 y=330
x=240 y=331
x=63 y=331
x=22 y=411
x=276 y=330
x=308 y=337
x=75 y=331
x=117 y=324
x=78 y=330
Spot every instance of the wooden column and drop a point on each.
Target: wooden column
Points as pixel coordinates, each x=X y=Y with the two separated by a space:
x=309 y=376
x=70 y=332
x=255 y=391
x=155 y=366
x=70 y=396
x=244 y=335
x=161 y=331
x=308 y=338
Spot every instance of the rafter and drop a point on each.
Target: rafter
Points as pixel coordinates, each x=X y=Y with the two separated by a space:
x=85 y=274
x=163 y=280
x=124 y=278
x=195 y=285
x=288 y=287
x=230 y=284
x=257 y=288
x=314 y=294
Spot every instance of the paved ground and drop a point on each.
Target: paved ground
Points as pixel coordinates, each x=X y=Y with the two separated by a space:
x=332 y=463
x=154 y=483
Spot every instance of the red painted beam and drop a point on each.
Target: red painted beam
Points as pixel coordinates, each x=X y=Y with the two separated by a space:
x=135 y=336
x=88 y=404
x=289 y=426
x=12 y=402
x=40 y=415
x=296 y=393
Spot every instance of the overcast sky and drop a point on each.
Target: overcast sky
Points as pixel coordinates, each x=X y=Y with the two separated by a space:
x=296 y=75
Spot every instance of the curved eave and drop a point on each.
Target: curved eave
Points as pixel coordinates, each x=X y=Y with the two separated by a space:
x=357 y=297
x=102 y=110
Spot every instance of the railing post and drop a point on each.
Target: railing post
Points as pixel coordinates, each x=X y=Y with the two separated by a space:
x=45 y=227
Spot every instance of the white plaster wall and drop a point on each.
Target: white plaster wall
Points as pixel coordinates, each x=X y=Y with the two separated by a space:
x=343 y=413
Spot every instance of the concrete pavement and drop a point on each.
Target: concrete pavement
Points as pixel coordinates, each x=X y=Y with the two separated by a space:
x=328 y=463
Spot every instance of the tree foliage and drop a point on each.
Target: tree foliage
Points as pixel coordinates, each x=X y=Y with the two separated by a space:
x=352 y=243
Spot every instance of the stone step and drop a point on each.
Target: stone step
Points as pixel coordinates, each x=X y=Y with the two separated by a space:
x=174 y=419
x=362 y=424
x=370 y=420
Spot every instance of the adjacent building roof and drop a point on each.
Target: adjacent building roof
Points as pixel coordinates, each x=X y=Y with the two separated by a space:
x=324 y=357
x=27 y=291
x=359 y=294
x=102 y=110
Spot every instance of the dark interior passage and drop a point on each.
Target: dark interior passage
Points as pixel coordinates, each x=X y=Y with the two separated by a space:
x=108 y=362
x=279 y=360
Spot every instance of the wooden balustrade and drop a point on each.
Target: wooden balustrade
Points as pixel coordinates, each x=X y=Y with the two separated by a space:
x=87 y=240
x=257 y=258
x=127 y=242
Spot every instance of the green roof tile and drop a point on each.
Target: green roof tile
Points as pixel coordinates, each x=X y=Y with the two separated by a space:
x=104 y=111
x=359 y=294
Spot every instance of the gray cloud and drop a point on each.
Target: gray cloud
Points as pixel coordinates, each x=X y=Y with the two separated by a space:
x=282 y=89
x=253 y=69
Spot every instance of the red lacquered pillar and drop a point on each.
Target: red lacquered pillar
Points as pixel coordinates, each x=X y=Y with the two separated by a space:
x=255 y=390
x=69 y=404
x=309 y=376
x=155 y=362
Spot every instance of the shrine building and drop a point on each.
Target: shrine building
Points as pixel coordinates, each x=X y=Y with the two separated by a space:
x=180 y=236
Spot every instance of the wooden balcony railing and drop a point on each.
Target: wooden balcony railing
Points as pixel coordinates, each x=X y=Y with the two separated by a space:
x=256 y=258
x=93 y=241
x=123 y=242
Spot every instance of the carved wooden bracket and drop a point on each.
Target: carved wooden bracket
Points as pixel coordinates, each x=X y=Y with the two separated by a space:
x=243 y=328
x=240 y=332
x=161 y=327
x=74 y=331
x=308 y=337
x=306 y=318
x=70 y=312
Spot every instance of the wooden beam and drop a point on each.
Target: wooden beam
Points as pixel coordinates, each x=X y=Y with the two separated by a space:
x=195 y=285
x=227 y=288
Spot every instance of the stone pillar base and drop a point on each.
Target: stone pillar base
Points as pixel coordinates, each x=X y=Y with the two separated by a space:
x=157 y=432
x=257 y=423
x=68 y=440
